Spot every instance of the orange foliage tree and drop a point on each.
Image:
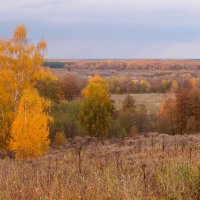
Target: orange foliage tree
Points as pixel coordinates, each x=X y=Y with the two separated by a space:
x=166 y=116
x=30 y=128
x=69 y=86
x=180 y=112
x=20 y=65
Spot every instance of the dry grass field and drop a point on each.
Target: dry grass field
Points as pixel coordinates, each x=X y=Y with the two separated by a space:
x=151 y=167
x=151 y=101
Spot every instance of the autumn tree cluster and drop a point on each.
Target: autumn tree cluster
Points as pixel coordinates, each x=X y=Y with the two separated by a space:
x=180 y=113
x=23 y=119
x=132 y=64
x=127 y=85
x=38 y=108
x=72 y=118
x=66 y=87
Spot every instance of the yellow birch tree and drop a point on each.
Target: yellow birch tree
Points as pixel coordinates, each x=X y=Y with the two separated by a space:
x=29 y=135
x=20 y=65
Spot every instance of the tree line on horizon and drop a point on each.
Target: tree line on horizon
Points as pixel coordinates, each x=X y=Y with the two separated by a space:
x=138 y=64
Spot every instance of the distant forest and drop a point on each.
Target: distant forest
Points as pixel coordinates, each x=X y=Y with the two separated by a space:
x=125 y=64
x=56 y=64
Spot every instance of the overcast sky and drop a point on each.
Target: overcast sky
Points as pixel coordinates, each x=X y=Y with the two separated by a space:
x=88 y=29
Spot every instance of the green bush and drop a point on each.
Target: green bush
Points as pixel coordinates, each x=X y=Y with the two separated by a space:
x=65 y=116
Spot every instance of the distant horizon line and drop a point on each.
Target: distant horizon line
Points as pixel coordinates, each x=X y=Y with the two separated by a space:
x=194 y=59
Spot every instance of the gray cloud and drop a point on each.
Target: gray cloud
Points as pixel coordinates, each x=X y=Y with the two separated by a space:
x=108 y=28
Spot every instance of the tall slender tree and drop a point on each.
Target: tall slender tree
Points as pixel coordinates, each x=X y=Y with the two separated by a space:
x=96 y=109
x=182 y=110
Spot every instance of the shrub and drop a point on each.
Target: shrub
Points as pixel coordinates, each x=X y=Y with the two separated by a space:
x=65 y=116
x=133 y=132
x=59 y=139
x=117 y=130
x=129 y=103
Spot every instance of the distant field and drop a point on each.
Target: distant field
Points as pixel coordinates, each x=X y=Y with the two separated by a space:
x=151 y=101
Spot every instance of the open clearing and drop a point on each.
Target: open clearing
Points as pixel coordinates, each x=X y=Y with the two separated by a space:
x=152 y=101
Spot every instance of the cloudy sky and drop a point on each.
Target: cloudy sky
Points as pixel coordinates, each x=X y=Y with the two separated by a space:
x=88 y=29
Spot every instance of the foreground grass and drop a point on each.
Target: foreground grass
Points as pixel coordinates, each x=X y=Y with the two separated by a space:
x=160 y=167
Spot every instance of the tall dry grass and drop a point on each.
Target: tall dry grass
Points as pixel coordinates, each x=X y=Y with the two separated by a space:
x=154 y=167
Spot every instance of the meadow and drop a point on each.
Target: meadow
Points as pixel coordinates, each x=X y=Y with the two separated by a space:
x=148 y=167
x=152 y=101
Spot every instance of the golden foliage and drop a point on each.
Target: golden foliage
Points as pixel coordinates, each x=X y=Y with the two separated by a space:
x=20 y=65
x=30 y=129
x=96 y=108
x=20 y=33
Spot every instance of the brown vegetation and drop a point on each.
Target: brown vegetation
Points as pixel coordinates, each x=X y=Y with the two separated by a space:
x=149 y=167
